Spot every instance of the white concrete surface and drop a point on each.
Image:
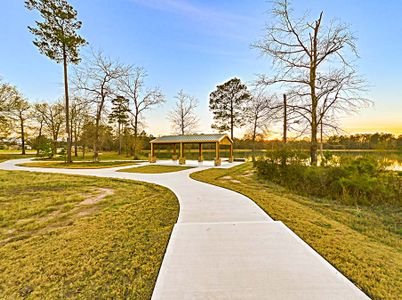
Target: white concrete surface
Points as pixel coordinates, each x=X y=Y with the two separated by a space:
x=225 y=247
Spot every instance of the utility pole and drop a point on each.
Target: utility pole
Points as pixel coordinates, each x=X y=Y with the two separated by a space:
x=285 y=119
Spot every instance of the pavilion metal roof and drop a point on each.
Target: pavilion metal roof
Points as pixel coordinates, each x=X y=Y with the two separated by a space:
x=192 y=138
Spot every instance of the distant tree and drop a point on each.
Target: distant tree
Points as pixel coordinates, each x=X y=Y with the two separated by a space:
x=132 y=87
x=260 y=110
x=103 y=140
x=316 y=63
x=57 y=38
x=53 y=118
x=399 y=142
x=183 y=117
x=119 y=114
x=96 y=79
x=7 y=93
x=39 y=121
x=227 y=103
x=79 y=110
x=43 y=146
x=19 y=109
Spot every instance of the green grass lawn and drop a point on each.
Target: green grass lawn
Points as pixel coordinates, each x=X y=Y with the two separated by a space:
x=81 y=237
x=153 y=169
x=105 y=155
x=3 y=151
x=7 y=156
x=78 y=165
x=363 y=243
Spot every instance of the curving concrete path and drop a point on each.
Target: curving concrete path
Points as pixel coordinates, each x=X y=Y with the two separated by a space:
x=226 y=247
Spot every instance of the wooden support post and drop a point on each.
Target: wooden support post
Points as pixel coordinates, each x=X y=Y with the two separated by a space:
x=200 y=157
x=231 y=153
x=152 y=157
x=217 y=158
x=182 y=159
x=174 y=156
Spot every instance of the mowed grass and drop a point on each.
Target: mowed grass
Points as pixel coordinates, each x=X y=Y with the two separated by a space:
x=77 y=165
x=81 y=237
x=7 y=156
x=363 y=243
x=154 y=169
x=106 y=155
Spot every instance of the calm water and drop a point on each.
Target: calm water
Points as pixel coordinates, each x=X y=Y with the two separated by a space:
x=393 y=158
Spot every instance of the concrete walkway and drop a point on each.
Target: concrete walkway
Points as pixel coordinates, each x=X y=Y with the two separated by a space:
x=225 y=247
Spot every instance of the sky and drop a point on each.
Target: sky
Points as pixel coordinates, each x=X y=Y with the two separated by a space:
x=195 y=45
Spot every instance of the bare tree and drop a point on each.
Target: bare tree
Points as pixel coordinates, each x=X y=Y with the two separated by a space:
x=261 y=109
x=183 y=117
x=141 y=99
x=18 y=109
x=316 y=62
x=7 y=93
x=53 y=118
x=96 y=79
x=79 y=110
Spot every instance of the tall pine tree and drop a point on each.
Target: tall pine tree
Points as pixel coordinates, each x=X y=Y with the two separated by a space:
x=57 y=38
x=119 y=114
x=227 y=103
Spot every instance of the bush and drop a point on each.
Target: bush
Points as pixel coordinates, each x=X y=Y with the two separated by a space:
x=353 y=181
x=43 y=145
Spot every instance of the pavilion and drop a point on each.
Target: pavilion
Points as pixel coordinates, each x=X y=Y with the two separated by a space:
x=200 y=139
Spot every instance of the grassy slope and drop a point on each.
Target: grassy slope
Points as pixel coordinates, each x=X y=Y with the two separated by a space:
x=78 y=165
x=155 y=169
x=51 y=246
x=364 y=244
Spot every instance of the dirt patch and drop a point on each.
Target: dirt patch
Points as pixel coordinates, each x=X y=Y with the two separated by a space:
x=93 y=200
x=249 y=173
x=230 y=179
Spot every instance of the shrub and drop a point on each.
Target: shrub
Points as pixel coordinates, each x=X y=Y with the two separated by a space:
x=353 y=181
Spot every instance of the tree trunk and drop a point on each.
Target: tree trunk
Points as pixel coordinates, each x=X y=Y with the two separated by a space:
x=96 y=142
x=254 y=137
x=75 y=142
x=314 y=125
x=22 y=135
x=182 y=122
x=285 y=119
x=321 y=143
x=135 y=136
x=119 y=132
x=69 y=159
x=54 y=148
x=231 y=119
x=39 y=136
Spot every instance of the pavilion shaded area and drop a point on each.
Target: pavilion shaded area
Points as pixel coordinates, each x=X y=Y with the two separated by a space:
x=181 y=140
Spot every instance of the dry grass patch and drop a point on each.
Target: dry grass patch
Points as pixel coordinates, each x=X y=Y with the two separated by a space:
x=364 y=243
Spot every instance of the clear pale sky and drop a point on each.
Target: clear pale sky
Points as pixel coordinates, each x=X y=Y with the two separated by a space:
x=195 y=45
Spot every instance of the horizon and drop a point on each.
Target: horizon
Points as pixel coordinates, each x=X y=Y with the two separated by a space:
x=194 y=45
